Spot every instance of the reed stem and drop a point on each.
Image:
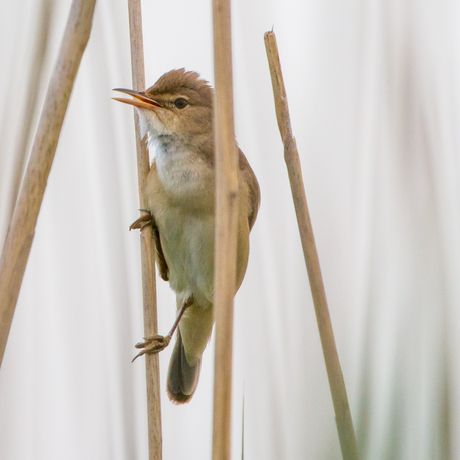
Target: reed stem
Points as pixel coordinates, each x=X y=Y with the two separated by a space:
x=22 y=227
x=334 y=372
x=226 y=227
x=147 y=249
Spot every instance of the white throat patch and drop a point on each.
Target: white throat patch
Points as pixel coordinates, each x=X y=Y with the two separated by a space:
x=152 y=127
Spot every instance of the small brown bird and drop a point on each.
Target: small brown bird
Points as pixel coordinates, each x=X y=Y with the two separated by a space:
x=176 y=115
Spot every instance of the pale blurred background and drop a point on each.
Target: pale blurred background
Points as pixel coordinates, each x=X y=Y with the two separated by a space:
x=374 y=93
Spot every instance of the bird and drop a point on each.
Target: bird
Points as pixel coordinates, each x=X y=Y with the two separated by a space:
x=176 y=118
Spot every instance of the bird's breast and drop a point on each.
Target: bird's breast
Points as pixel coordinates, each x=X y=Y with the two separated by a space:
x=180 y=194
x=187 y=177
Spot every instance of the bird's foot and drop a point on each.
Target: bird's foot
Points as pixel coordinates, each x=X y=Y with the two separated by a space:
x=143 y=221
x=152 y=345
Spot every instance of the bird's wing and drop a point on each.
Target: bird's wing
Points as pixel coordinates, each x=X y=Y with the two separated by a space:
x=163 y=269
x=161 y=261
x=254 y=191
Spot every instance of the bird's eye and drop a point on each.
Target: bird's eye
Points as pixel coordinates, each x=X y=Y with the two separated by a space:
x=181 y=103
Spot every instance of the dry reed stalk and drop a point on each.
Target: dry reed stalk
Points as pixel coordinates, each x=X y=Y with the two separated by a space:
x=22 y=227
x=147 y=249
x=31 y=98
x=331 y=358
x=226 y=227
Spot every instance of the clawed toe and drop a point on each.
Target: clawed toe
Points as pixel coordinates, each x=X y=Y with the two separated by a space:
x=157 y=343
x=152 y=345
x=143 y=221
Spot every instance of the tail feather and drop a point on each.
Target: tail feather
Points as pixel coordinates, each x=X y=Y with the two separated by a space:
x=182 y=377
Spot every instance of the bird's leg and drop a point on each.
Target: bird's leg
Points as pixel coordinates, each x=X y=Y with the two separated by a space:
x=143 y=221
x=157 y=343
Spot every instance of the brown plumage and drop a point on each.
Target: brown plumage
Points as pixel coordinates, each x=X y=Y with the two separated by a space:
x=177 y=117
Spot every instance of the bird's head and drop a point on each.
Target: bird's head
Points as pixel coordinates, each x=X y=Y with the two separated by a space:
x=179 y=105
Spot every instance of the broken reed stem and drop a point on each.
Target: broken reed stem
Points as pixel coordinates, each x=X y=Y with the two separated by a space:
x=147 y=249
x=21 y=232
x=226 y=227
x=331 y=358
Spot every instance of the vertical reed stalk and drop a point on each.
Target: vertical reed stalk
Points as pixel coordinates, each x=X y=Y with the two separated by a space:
x=22 y=227
x=331 y=358
x=226 y=227
x=147 y=249
x=32 y=93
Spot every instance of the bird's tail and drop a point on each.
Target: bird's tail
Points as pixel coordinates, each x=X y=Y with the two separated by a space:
x=182 y=377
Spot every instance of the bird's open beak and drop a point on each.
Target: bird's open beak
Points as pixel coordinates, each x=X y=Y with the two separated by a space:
x=140 y=100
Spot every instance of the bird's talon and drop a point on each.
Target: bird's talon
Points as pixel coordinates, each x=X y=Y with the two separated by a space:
x=137 y=356
x=152 y=345
x=143 y=221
